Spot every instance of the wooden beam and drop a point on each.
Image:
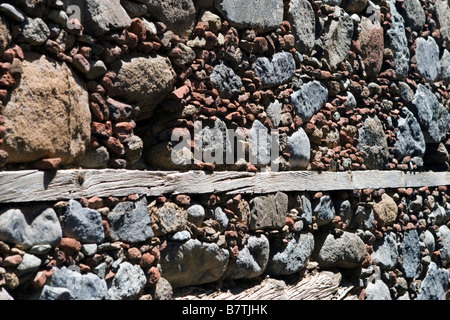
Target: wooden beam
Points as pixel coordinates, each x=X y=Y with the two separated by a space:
x=34 y=185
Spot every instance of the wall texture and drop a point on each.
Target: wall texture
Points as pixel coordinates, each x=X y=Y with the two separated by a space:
x=349 y=85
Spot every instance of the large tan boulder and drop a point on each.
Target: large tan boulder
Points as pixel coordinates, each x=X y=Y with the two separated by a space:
x=386 y=211
x=48 y=114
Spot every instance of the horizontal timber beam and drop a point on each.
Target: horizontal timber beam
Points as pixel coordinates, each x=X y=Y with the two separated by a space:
x=34 y=185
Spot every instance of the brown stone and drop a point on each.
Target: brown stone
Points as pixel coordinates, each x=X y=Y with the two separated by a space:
x=47 y=119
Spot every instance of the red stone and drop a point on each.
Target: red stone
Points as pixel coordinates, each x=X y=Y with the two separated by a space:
x=153 y=276
x=180 y=93
x=12 y=261
x=182 y=200
x=260 y=45
x=147 y=260
x=138 y=28
x=70 y=246
x=95 y=202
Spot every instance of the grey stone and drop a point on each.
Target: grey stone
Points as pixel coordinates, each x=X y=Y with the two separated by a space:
x=274 y=112
x=411 y=254
x=196 y=214
x=162 y=290
x=307 y=208
x=178 y=15
x=303 y=22
x=89 y=249
x=427 y=58
x=12 y=12
x=130 y=222
x=95 y=158
x=445 y=66
x=385 y=252
x=40 y=249
x=309 y=99
x=433 y=117
x=378 y=291
x=181 y=236
x=444 y=232
x=215 y=142
x=128 y=283
x=30 y=226
x=414 y=15
x=364 y=217
x=97 y=69
x=346 y=251
x=260 y=144
x=83 y=224
x=435 y=284
x=168 y=218
x=406 y=93
x=398 y=43
x=133 y=146
x=428 y=239
x=324 y=210
x=410 y=139
x=251 y=261
x=291 y=258
x=373 y=143
x=30 y=263
x=442 y=10
x=180 y=263
x=143 y=80
x=279 y=70
x=81 y=287
x=345 y=211
x=226 y=81
x=337 y=40
x=221 y=217
x=99 y=17
x=332 y=2
x=54 y=293
x=268 y=212
x=242 y=14
x=34 y=31
x=300 y=149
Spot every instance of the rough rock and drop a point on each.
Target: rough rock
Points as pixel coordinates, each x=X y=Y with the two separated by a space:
x=378 y=290
x=324 y=210
x=95 y=158
x=411 y=254
x=397 y=42
x=179 y=263
x=268 y=212
x=34 y=31
x=414 y=15
x=385 y=252
x=251 y=261
x=444 y=232
x=178 y=15
x=128 y=283
x=410 y=139
x=346 y=251
x=442 y=9
x=30 y=226
x=433 y=117
x=99 y=17
x=445 y=66
x=300 y=149
x=196 y=214
x=303 y=21
x=143 y=80
x=291 y=258
x=337 y=40
x=386 y=211
x=373 y=143
x=227 y=82
x=168 y=218
x=5 y=36
x=371 y=40
x=274 y=112
x=309 y=99
x=435 y=284
x=215 y=142
x=49 y=119
x=242 y=14
x=427 y=57
x=130 y=222
x=260 y=144
x=354 y=6
x=279 y=70
x=81 y=287
x=83 y=224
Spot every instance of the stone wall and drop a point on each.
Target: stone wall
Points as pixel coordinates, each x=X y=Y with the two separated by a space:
x=349 y=85
x=385 y=244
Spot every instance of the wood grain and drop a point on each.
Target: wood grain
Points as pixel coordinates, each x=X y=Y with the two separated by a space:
x=34 y=185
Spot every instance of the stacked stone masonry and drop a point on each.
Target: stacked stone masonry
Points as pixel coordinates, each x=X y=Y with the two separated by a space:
x=348 y=85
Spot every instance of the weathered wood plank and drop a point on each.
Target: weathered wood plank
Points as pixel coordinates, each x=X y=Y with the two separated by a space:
x=34 y=185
